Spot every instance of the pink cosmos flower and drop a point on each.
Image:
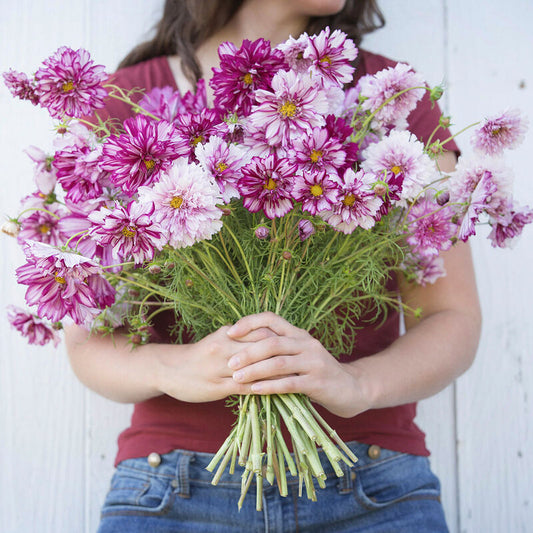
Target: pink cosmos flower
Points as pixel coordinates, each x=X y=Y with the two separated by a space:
x=32 y=327
x=139 y=156
x=242 y=71
x=425 y=269
x=331 y=56
x=193 y=129
x=20 y=86
x=42 y=225
x=185 y=201
x=295 y=107
x=316 y=191
x=498 y=132
x=267 y=184
x=293 y=50
x=508 y=226
x=130 y=231
x=69 y=83
x=63 y=284
x=357 y=204
x=401 y=152
x=44 y=174
x=378 y=88
x=223 y=162
x=430 y=228
x=319 y=150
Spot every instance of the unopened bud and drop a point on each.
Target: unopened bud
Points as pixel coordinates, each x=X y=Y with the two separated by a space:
x=170 y=265
x=134 y=293
x=443 y=198
x=380 y=189
x=286 y=255
x=444 y=122
x=11 y=228
x=435 y=93
x=136 y=339
x=305 y=229
x=226 y=211
x=154 y=269
x=189 y=283
x=58 y=326
x=143 y=328
x=262 y=232
x=62 y=130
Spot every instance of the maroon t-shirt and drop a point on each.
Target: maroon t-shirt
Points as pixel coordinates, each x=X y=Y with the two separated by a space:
x=163 y=424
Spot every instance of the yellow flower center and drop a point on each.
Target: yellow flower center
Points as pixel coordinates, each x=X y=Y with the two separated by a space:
x=221 y=167
x=316 y=155
x=197 y=140
x=176 y=202
x=68 y=86
x=44 y=228
x=60 y=279
x=496 y=132
x=149 y=164
x=288 y=109
x=129 y=231
x=349 y=200
x=396 y=170
x=248 y=79
x=326 y=59
x=270 y=184
x=316 y=190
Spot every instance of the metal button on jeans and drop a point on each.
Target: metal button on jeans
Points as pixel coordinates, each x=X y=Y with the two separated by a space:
x=154 y=459
x=374 y=451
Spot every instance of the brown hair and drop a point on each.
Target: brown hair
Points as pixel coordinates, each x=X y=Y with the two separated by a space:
x=185 y=24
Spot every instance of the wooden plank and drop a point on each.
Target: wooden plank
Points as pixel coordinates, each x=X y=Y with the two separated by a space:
x=491 y=66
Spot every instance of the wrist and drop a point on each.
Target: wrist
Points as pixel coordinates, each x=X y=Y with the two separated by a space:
x=366 y=391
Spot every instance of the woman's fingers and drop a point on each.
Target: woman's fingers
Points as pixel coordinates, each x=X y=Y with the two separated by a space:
x=262 y=320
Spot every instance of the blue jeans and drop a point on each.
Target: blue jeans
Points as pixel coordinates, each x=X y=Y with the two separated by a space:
x=385 y=492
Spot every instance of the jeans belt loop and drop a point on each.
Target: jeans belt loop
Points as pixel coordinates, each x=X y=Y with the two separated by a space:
x=182 y=474
x=345 y=482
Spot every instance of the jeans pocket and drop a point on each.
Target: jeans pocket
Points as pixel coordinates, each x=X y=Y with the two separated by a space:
x=138 y=492
x=399 y=478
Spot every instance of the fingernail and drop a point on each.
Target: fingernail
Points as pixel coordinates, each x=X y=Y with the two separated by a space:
x=237 y=376
x=233 y=362
x=230 y=330
x=256 y=387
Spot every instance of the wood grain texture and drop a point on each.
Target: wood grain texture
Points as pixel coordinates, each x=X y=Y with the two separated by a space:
x=58 y=441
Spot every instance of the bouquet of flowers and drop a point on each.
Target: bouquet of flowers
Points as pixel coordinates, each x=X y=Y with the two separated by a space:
x=292 y=195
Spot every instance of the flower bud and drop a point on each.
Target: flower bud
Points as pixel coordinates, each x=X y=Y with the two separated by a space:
x=62 y=129
x=262 y=232
x=444 y=122
x=189 y=283
x=136 y=339
x=443 y=197
x=154 y=269
x=170 y=265
x=134 y=293
x=11 y=228
x=226 y=211
x=380 y=189
x=286 y=255
x=435 y=93
x=305 y=229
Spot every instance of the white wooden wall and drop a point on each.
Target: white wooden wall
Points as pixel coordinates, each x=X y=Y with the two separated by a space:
x=57 y=440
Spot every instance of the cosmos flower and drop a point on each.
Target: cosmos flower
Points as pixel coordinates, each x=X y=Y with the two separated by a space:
x=401 y=152
x=315 y=190
x=44 y=174
x=266 y=184
x=357 y=204
x=139 y=156
x=293 y=50
x=241 y=72
x=130 y=231
x=63 y=284
x=69 y=83
x=331 y=56
x=32 y=327
x=295 y=106
x=185 y=200
x=430 y=228
x=498 y=132
x=376 y=89
x=42 y=225
x=305 y=229
x=425 y=269
x=20 y=86
x=509 y=225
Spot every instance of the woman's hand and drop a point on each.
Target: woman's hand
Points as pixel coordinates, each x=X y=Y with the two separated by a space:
x=293 y=361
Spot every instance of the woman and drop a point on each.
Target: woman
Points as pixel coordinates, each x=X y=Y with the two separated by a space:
x=180 y=418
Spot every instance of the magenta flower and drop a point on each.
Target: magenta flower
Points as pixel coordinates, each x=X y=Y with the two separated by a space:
x=498 y=132
x=63 y=284
x=293 y=50
x=380 y=87
x=267 y=184
x=32 y=327
x=424 y=269
x=130 y=231
x=296 y=106
x=305 y=229
x=357 y=204
x=139 y=156
x=69 y=83
x=20 y=86
x=331 y=56
x=508 y=226
x=185 y=201
x=42 y=225
x=316 y=191
x=242 y=71
x=430 y=228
